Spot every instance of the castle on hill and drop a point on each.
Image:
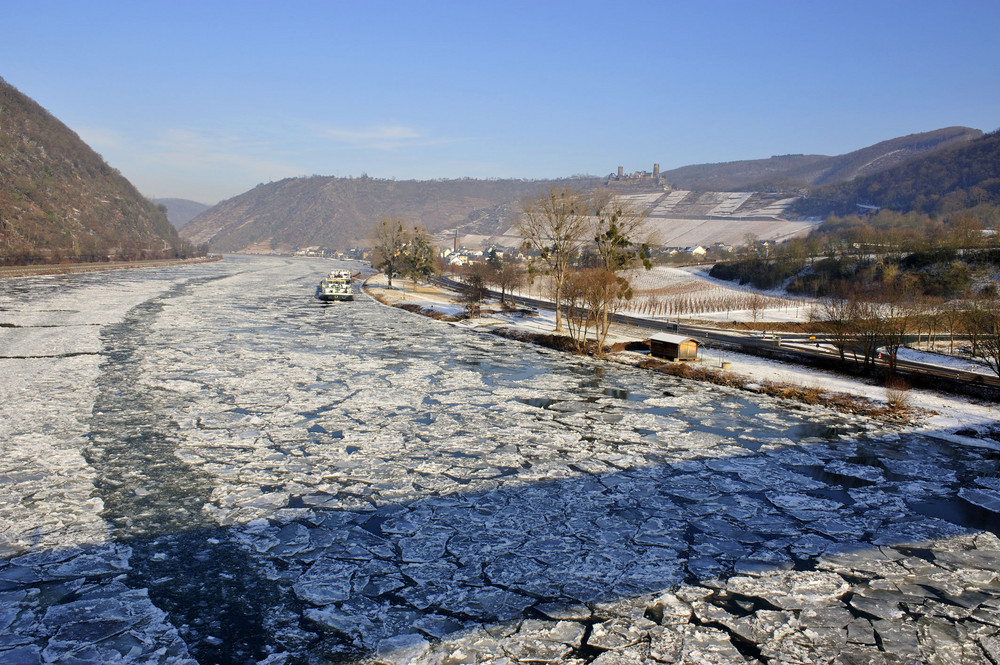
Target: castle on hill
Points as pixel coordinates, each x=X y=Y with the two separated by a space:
x=637 y=180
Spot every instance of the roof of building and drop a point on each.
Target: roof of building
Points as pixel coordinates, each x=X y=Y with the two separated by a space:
x=671 y=338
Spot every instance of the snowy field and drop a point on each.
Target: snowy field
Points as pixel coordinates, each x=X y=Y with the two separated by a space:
x=668 y=292
x=207 y=465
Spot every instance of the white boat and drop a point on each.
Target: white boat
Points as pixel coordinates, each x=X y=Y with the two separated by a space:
x=338 y=285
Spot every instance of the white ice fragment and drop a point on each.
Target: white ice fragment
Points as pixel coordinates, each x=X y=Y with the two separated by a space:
x=984 y=498
x=803 y=502
x=860 y=471
x=791 y=590
x=402 y=649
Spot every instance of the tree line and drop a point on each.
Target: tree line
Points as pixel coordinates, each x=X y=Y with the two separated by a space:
x=880 y=280
x=863 y=326
x=885 y=277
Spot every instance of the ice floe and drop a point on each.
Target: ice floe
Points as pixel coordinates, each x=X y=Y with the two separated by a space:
x=225 y=470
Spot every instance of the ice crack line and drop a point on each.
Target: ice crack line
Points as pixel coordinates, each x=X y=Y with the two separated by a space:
x=146 y=489
x=154 y=501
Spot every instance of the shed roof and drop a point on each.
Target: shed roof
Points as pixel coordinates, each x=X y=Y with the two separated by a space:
x=671 y=339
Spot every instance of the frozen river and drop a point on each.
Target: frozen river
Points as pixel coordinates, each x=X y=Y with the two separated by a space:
x=206 y=465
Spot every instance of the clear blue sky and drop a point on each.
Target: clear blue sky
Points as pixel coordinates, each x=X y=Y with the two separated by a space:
x=205 y=99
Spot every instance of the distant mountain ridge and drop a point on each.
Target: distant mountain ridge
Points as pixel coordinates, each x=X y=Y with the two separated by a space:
x=340 y=212
x=59 y=200
x=181 y=211
x=958 y=177
x=787 y=172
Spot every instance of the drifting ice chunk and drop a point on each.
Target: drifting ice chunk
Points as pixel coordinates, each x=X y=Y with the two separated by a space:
x=984 y=498
x=791 y=590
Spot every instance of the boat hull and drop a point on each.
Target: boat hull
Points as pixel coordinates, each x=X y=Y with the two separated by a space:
x=330 y=297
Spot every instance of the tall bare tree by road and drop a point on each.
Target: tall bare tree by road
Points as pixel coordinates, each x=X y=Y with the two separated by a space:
x=418 y=254
x=987 y=334
x=388 y=242
x=834 y=317
x=398 y=250
x=620 y=244
x=554 y=225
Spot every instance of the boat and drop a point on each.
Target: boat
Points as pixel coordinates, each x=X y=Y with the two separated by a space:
x=338 y=285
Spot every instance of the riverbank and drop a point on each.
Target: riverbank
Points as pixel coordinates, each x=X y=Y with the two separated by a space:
x=960 y=420
x=67 y=268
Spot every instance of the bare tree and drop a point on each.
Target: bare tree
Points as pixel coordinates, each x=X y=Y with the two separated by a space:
x=387 y=246
x=505 y=275
x=869 y=322
x=579 y=317
x=618 y=228
x=897 y=314
x=509 y=276
x=757 y=304
x=928 y=316
x=988 y=335
x=553 y=225
x=475 y=292
x=606 y=293
x=953 y=317
x=590 y=294
x=397 y=250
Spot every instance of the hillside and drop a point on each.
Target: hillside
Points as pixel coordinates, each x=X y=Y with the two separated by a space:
x=60 y=201
x=181 y=211
x=788 y=172
x=708 y=203
x=340 y=212
x=960 y=176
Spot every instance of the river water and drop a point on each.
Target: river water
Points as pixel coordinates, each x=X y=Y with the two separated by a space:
x=206 y=464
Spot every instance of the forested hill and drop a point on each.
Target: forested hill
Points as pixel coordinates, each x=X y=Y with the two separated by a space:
x=341 y=212
x=789 y=172
x=958 y=177
x=60 y=201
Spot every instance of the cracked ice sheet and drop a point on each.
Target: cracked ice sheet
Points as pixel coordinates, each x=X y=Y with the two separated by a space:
x=608 y=521
x=46 y=404
x=518 y=540
x=46 y=485
x=254 y=445
x=52 y=536
x=45 y=408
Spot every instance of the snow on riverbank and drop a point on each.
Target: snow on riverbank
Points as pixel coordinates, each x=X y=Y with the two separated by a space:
x=946 y=413
x=943 y=413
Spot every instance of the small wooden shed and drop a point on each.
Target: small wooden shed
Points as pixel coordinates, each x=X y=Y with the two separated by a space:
x=673 y=347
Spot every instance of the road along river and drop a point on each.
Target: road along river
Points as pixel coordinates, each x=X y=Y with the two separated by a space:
x=204 y=464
